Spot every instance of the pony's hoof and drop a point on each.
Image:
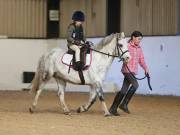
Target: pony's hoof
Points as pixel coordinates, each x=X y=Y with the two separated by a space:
x=81 y=109
x=107 y=115
x=78 y=110
x=67 y=113
x=31 y=110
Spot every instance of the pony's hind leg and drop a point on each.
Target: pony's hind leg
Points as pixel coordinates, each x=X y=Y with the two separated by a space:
x=61 y=88
x=92 y=99
x=38 y=92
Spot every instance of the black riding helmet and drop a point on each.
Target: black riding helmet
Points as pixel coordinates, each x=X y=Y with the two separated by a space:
x=78 y=16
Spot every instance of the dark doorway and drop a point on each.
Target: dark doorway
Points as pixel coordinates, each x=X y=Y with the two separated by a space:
x=113 y=16
x=178 y=33
x=52 y=18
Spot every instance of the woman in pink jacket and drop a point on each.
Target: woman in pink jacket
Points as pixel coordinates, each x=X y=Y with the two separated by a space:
x=130 y=84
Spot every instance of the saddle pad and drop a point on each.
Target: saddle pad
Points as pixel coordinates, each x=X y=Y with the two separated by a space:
x=67 y=58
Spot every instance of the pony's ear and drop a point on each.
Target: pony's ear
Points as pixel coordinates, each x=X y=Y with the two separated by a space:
x=122 y=35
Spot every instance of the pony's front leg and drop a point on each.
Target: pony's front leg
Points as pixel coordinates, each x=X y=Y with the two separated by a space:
x=101 y=98
x=61 y=88
x=62 y=101
x=92 y=99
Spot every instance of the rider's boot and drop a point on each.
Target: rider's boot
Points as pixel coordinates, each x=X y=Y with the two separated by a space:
x=77 y=65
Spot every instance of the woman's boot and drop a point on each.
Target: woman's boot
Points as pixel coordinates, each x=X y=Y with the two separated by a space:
x=124 y=105
x=117 y=100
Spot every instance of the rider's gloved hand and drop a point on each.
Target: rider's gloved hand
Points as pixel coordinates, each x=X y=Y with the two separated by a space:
x=89 y=43
x=76 y=42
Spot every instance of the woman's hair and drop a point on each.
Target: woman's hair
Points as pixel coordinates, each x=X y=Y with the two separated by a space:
x=135 y=34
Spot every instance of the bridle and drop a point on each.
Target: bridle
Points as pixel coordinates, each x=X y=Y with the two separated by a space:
x=117 y=47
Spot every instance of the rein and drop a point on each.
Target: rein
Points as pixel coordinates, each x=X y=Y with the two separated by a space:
x=110 y=55
x=115 y=56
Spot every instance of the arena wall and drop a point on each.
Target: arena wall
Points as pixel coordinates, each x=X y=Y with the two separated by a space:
x=161 y=53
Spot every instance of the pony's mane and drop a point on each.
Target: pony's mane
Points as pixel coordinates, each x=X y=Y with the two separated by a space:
x=104 y=42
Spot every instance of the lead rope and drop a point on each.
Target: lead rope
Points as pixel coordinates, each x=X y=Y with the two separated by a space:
x=146 y=75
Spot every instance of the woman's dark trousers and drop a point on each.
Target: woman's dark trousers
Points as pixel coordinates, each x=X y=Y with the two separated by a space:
x=123 y=97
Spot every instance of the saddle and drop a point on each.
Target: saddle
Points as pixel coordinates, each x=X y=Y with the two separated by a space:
x=85 y=61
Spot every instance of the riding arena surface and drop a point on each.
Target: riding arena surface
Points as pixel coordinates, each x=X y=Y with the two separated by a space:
x=150 y=115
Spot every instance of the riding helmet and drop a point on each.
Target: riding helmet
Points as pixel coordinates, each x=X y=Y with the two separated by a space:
x=78 y=16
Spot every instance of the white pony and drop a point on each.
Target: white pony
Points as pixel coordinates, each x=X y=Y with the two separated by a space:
x=114 y=45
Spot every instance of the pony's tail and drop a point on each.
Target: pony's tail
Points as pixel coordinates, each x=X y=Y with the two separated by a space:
x=38 y=78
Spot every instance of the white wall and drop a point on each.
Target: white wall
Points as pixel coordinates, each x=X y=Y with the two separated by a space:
x=161 y=53
x=17 y=56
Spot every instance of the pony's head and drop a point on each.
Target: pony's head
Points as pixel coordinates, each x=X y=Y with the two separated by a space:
x=115 y=43
x=122 y=46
